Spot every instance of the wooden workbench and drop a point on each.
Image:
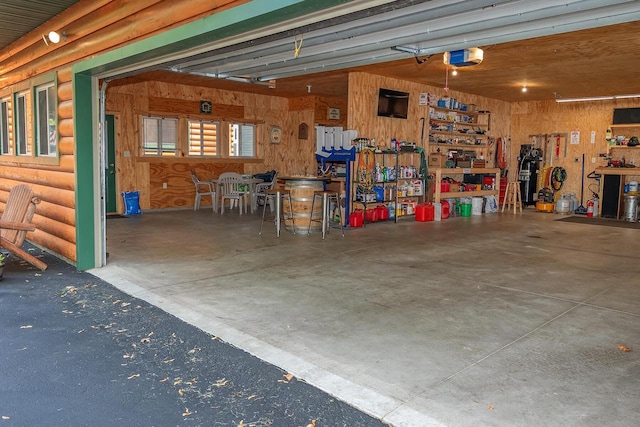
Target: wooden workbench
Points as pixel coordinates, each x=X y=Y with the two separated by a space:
x=611 y=191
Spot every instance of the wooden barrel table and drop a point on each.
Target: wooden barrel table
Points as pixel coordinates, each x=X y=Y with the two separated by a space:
x=302 y=189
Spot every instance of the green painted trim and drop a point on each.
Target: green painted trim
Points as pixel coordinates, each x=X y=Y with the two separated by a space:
x=247 y=17
x=84 y=157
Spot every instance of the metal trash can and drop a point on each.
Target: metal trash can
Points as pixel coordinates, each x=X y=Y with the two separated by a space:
x=630 y=208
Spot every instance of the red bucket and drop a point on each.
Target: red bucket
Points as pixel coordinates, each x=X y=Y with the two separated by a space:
x=425 y=212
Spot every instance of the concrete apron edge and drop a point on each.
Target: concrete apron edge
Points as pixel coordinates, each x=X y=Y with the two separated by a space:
x=385 y=408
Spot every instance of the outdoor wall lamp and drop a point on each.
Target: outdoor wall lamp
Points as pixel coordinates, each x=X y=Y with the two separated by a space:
x=54 y=37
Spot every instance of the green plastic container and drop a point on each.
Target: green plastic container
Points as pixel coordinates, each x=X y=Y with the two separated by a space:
x=465 y=209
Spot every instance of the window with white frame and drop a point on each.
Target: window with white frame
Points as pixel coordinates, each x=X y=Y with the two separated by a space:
x=4 y=126
x=242 y=140
x=203 y=138
x=23 y=146
x=46 y=129
x=159 y=136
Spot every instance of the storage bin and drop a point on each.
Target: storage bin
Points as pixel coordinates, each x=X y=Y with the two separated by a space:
x=436 y=160
x=476 y=205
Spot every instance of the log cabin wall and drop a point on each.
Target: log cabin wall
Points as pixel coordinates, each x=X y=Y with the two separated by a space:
x=363 y=110
x=546 y=117
x=52 y=180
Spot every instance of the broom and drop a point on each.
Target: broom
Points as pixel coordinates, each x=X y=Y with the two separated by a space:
x=581 y=209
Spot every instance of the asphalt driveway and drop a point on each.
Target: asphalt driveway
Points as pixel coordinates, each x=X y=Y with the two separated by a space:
x=75 y=351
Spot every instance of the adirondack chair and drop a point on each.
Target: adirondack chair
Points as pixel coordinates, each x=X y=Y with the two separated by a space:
x=15 y=222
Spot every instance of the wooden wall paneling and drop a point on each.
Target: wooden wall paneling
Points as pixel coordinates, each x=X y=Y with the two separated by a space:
x=546 y=117
x=142 y=184
x=322 y=106
x=187 y=107
x=180 y=191
x=298 y=155
x=363 y=104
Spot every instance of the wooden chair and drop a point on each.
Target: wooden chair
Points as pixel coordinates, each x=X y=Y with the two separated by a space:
x=15 y=222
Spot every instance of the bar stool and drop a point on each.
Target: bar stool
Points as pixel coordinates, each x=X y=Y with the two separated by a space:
x=512 y=196
x=326 y=196
x=278 y=197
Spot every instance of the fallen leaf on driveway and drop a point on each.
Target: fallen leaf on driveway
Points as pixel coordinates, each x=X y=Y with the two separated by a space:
x=186 y=412
x=623 y=348
x=221 y=382
x=287 y=378
x=133 y=376
x=26 y=327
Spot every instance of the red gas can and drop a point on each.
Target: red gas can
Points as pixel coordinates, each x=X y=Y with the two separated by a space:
x=356 y=218
x=371 y=215
x=446 y=209
x=383 y=213
x=425 y=212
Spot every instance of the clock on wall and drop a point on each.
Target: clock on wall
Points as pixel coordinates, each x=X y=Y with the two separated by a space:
x=275 y=134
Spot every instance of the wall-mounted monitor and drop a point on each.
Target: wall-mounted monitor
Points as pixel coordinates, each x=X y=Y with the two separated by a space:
x=393 y=103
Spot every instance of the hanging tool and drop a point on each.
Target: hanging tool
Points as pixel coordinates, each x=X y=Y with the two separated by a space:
x=581 y=209
x=501 y=155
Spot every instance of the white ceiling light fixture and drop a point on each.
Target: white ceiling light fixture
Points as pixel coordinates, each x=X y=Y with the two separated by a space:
x=597 y=98
x=524 y=88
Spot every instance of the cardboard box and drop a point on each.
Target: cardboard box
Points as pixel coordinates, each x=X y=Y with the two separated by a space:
x=437 y=160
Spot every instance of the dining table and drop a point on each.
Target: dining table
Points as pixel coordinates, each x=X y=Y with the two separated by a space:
x=249 y=181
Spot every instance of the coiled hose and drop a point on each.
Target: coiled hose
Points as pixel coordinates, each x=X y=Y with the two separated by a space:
x=558 y=177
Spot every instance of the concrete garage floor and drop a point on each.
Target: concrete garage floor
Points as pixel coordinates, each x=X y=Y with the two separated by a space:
x=498 y=320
